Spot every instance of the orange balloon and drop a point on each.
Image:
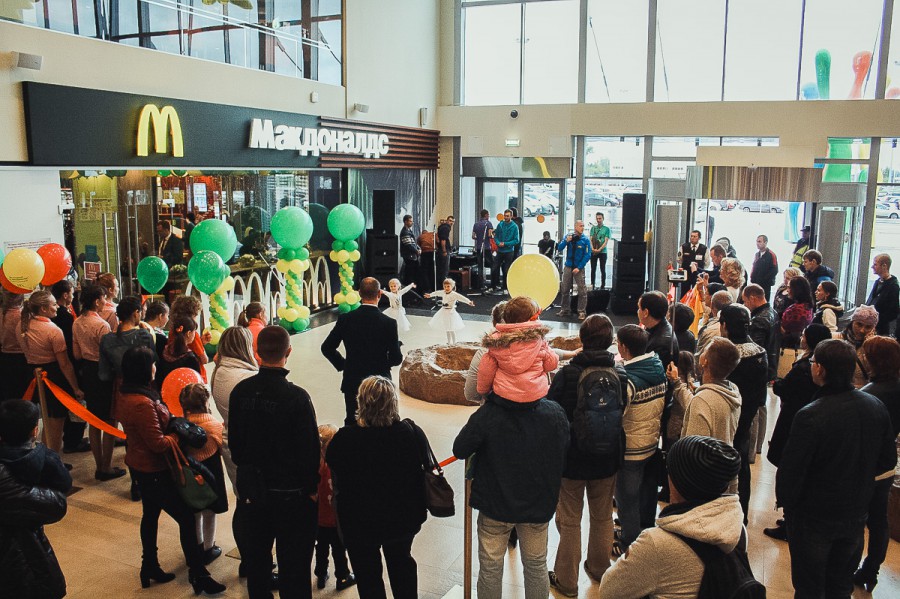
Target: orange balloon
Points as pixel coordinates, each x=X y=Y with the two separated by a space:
x=177 y=380
x=57 y=263
x=540 y=218
x=499 y=216
x=9 y=286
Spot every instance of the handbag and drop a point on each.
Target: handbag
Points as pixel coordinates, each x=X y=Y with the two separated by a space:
x=192 y=486
x=438 y=492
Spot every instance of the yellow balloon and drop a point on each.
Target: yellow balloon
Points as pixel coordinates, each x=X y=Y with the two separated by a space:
x=304 y=265
x=24 y=268
x=282 y=265
x=228 y=285
x=352 y=297
x=343 y=256
x=280 y=311
x=214 y=337
x=333 y=255
x=355 y=255
x=296 y=266
x=290 y=315
x=339 y=298
x=534 y=276
x=303 y=312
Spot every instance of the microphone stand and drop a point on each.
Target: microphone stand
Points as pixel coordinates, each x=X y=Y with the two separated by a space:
x=437 y=302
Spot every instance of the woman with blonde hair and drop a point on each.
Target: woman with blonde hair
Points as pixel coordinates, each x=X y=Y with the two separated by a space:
x=781 y=299
x=732 y=273
x=378 y=476
x=45 y=347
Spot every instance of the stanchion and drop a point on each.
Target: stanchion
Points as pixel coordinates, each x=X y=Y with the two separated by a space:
x=42 y=395
x=467 y=541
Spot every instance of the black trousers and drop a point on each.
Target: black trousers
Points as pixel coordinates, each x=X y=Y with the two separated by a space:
x=602 y=259
x=350 y=405
x=410 y=272
x=501 y=267
x=743 y=447
x=73 y=433
x=366 y=559
x=328 y=538
x=288 y=520
x=158 y=494
x=443 y=268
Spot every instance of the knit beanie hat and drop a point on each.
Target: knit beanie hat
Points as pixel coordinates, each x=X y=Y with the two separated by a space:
x=701 y=468
x=866 y=315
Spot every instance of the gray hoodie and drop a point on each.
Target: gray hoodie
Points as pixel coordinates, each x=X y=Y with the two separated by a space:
x=713 y=411
x=663 y=566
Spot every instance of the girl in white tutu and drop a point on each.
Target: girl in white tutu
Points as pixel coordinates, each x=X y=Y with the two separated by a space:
x=447 y=318
x=396 y=309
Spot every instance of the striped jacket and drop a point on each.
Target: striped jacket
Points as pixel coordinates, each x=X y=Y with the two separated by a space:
x=646 y=398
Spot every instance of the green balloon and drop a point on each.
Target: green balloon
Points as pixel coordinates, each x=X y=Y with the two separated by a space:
x=292 y=227
x=346 y=222
x=351 y=246
x=337 y=245
x=355 y=306
x=287 y=254
x=301 y=324
x=214 y=235
x=343 y=308
x=152 y=273
x=286 y=325
x=205 y=270
x=302 y=254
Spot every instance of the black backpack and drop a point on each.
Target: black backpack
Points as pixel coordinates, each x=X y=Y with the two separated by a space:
x=597 y=421
x=726 y=575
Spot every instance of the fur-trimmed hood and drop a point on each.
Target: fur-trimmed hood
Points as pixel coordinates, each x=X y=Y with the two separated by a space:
x=507 y=334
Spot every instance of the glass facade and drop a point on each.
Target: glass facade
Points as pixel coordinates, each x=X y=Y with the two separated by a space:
x=299 y=38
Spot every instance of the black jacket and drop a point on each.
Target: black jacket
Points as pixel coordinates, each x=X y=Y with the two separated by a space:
x=173 y=253
x=796 y=391
x=889 y=394
x=822 y=273
x=370 y=341
x=837 y=445
x=663 y=342
x=751 y=377
x=378 y=482
x=519 y=454
x=272 y=427
x=28 y=565
x=765 y=269
x=763 y=332
x=885 y=298
x=564 y=391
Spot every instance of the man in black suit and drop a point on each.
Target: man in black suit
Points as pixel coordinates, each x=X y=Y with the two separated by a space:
x=693 y=258
x=370 y=341
x=171 y=248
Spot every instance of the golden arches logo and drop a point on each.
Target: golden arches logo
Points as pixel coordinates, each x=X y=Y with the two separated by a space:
x=163 y=120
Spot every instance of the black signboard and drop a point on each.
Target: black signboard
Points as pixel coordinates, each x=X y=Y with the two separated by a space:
x=71 y=127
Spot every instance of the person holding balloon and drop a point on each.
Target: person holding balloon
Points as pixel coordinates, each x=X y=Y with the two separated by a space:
x=13 y=365
x=88 y=331
x=45 y=347
x=177 y=353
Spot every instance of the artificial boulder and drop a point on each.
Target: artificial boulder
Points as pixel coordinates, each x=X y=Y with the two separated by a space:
x=437 y=374
x=565 y=343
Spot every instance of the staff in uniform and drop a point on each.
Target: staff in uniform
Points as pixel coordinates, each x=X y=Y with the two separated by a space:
x=13 y=367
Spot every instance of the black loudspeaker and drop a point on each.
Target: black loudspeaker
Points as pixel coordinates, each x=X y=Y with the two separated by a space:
x=634 y=217
x=621 y=305
x=384 y=212
x=597 y=301
x=631 y=252
x=629 y=272
x=382 y=256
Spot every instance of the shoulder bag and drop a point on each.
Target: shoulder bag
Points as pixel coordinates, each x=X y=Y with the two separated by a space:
x=192 y=485
x=438 y=492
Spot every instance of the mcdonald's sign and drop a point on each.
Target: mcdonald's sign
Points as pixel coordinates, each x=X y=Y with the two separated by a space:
x=162 y=120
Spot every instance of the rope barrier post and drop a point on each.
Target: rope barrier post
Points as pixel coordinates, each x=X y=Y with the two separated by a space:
x=467 y=540
x=42 y=395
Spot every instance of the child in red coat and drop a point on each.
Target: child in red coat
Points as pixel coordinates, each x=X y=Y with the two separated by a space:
x=327 y=535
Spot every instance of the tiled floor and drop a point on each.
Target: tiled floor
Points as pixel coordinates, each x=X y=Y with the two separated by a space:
x=98 y=541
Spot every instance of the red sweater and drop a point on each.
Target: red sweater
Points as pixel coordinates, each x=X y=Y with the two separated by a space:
x=326 y=496
x=144 y=421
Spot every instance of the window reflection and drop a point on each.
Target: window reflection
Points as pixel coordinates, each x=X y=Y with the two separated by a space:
x=616 y=51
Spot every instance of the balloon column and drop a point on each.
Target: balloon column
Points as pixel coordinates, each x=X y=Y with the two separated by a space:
x=292 y=228
x=23 y=269
x=346 y=222
x=213 y=242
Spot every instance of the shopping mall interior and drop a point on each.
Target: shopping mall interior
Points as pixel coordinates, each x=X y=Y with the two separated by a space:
x=736 y=119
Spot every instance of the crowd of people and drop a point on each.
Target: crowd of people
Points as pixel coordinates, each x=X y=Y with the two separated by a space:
x=667 y=416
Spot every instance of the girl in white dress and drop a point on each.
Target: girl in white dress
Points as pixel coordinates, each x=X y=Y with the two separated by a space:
x=396 y=309
x=447 y=318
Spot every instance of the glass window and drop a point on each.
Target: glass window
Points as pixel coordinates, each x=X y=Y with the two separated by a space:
x=843 y=40
x=492 y=57
x=893 y=69
x=551 y=52
x=689 y=49
x=87 y=23
x=127 y=22
x=616 y=51
x=60 y=15
x=613 y=157
x=670 y=169
x=762 y=50
x=209 y=44
x=288 y=50
x=329 y=52
x=847 y=149
x=681 y=147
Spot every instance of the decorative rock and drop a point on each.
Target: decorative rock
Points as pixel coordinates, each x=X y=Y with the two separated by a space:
x=566 y=343
x=437 y=374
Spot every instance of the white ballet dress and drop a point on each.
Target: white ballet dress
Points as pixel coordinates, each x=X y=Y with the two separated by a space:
x=447 y=319
x=396 y=309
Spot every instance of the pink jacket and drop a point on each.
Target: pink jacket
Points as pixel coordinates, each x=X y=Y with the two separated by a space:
x=517 y=362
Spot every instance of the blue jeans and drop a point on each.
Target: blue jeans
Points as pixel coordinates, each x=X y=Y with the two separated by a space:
x=493 y=537
x=824 y=555
x=635 y=499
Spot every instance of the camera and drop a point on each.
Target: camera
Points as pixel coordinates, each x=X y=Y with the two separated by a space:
x=514 y=114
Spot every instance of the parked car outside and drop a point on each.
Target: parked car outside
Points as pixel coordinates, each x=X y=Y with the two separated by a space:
x=885 y=210
x=756 y=206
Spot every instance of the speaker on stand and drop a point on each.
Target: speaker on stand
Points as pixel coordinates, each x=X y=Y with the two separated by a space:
x=384 y=206
x=630 y=264
x=382 y=256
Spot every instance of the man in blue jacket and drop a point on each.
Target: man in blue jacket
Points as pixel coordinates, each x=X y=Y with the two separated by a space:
x=578 y=252
x=506 y=235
